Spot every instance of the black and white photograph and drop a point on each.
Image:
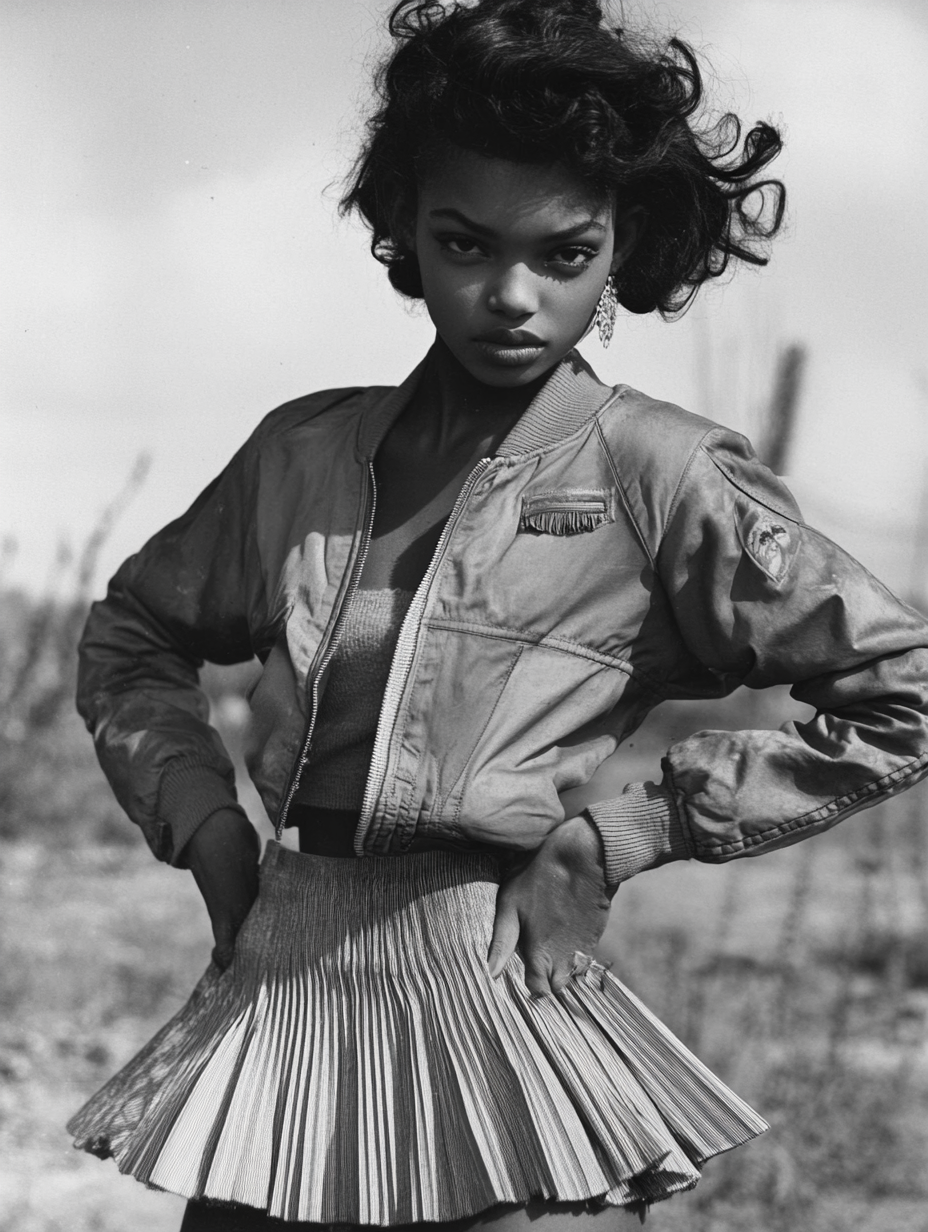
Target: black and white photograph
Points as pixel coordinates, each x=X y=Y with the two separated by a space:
x=464 y=616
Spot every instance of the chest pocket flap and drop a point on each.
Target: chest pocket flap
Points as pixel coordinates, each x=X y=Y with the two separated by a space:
x=567 y=511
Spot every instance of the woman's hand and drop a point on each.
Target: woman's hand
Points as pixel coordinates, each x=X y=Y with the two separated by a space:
x=552 y=906
x=223 y=857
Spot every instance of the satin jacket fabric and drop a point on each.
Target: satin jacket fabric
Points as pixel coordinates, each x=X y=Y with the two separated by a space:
x=615 y=552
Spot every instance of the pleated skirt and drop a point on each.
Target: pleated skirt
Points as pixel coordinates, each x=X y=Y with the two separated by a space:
x=356 y=1064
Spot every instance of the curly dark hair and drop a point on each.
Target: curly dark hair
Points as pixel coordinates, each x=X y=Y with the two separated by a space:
x=547 y=81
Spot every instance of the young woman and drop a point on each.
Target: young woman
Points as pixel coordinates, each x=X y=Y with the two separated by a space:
x=465 y=593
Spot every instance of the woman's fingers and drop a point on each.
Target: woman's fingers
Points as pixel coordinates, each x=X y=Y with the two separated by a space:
x=505 y=933
x=560 y=976
x=552 y=908
x=223 y=952
x=226 y=927
x=547 y=968
x=545 y=972
x=538 y=978
x=223 y=857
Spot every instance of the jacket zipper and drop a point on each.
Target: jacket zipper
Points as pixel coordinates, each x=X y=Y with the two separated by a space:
x=297 y=773
x=401 y=664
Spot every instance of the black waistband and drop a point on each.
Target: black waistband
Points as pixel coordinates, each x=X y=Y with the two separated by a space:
x=324 y=832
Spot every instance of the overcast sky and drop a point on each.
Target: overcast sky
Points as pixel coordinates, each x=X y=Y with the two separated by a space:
x=173 y=266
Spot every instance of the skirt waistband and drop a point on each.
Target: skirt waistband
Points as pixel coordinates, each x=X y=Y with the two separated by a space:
x=325 y=831
x=419 y=871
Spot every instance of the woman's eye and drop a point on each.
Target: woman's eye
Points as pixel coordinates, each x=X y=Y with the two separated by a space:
x=574 y=257
x=460 y=245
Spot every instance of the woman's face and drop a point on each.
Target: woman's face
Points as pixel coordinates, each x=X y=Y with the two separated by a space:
x=514 y=258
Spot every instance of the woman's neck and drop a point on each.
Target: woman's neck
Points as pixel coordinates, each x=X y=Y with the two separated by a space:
x=452 y=406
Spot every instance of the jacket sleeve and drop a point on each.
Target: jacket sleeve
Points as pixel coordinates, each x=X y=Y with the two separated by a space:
x=759 y=598
x=182 y=599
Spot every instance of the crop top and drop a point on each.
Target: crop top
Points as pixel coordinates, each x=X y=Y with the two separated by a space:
x=346 y=726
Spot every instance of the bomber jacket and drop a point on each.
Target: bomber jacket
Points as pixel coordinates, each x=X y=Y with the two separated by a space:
x=614 y=552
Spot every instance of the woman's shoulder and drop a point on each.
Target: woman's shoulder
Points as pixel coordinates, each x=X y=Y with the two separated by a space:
x=317 y=406
x=653 y=425
x=657 y=441
x=668 y=458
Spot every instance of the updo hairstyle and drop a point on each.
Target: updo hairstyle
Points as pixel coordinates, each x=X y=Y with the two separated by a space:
x=547 y=81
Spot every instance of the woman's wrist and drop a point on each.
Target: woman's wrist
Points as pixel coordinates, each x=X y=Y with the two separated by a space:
x=640 y=829
x=226 y=837
x=578 y=847
x=188 y=794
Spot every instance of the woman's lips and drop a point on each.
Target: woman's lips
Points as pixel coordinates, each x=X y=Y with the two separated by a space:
x=509 y=348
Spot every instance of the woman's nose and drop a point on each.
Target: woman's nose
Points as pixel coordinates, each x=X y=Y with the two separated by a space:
x=512 y=293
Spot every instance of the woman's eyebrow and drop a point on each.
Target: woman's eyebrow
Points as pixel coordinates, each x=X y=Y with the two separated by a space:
x=569 y=233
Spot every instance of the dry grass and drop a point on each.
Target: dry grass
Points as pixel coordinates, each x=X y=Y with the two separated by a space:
x=802 y=978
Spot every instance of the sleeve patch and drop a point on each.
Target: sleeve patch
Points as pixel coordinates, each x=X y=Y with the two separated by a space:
x=770 y=541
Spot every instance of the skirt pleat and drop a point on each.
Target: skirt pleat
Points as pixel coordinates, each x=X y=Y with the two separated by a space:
x=357 y=1065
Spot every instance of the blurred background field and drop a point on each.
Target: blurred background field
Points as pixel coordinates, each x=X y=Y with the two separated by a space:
x=801 y=978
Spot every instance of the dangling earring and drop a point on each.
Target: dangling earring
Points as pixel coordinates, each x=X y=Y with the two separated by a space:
x=604 y=320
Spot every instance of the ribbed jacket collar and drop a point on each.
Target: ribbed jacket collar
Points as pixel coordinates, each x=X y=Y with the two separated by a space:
x=571 y=396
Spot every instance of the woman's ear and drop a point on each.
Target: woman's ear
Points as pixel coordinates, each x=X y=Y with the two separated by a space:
x=402 y=222
x=629 y=227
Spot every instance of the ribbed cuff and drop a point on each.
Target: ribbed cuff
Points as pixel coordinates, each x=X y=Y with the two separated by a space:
x=639 y=829
x=188 y=794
